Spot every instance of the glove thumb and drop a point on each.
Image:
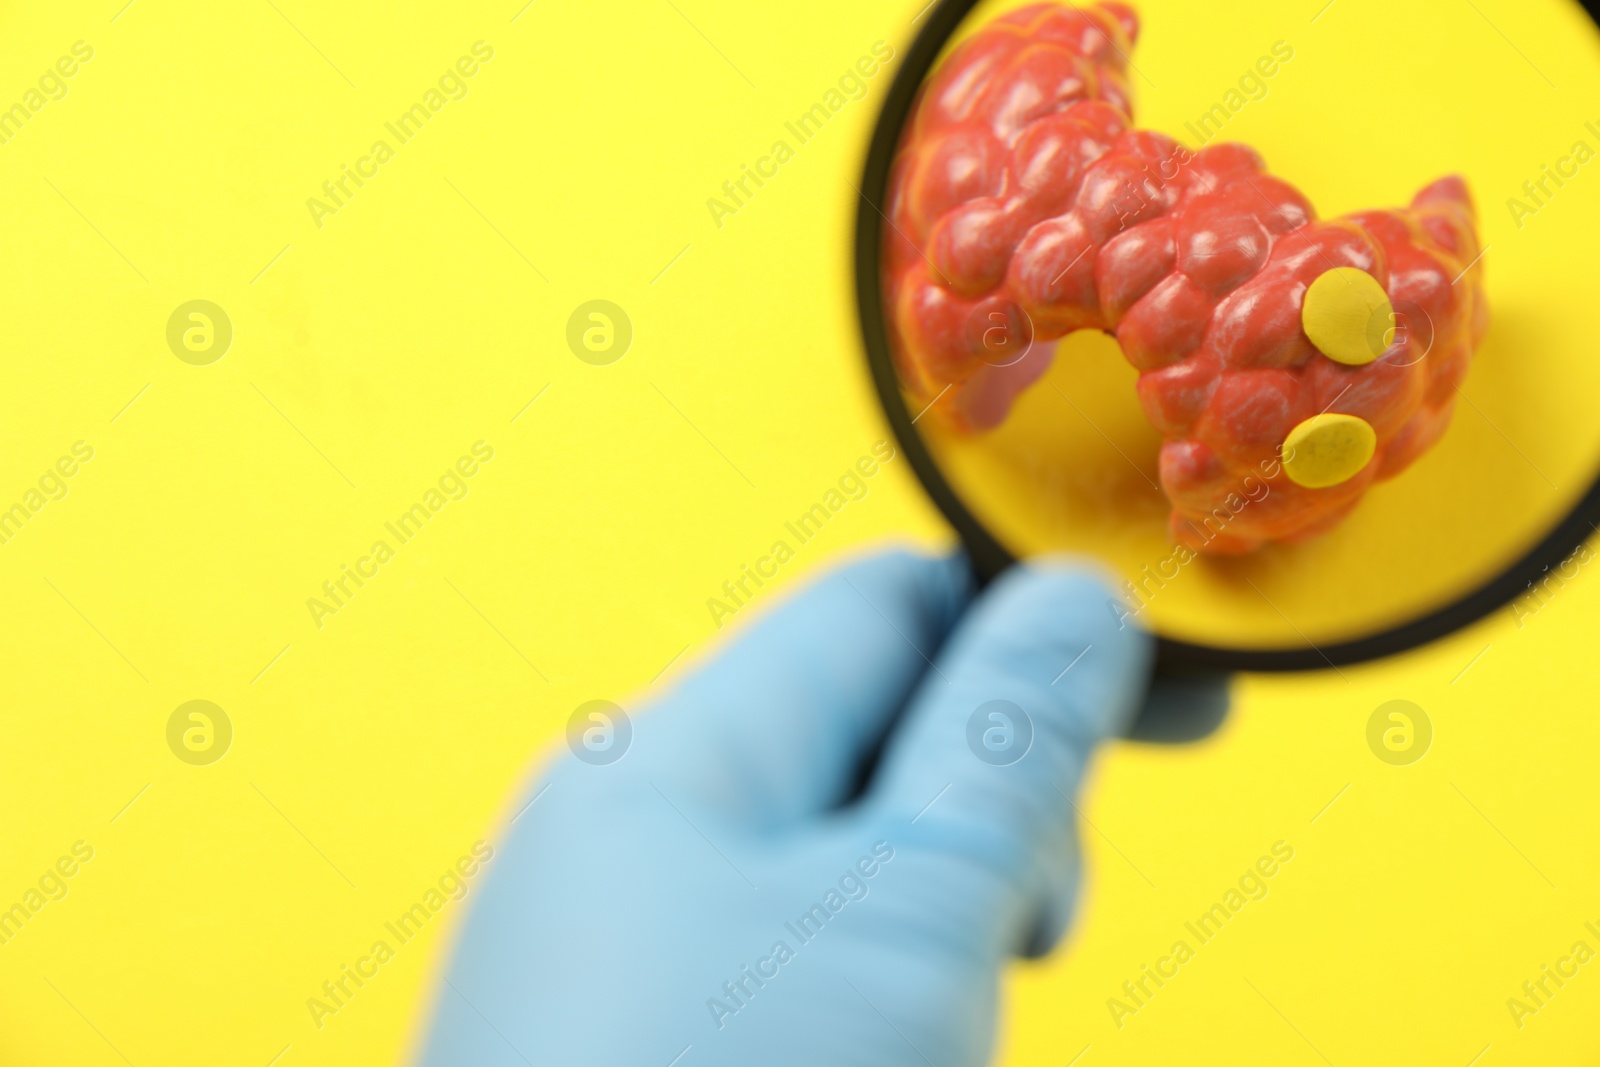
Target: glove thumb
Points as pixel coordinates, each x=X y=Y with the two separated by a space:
x=977 y=790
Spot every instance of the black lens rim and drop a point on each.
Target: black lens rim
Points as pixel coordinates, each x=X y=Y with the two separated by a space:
x=990 y=558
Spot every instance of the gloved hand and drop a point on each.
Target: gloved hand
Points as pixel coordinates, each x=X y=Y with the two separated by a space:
x=725 y=894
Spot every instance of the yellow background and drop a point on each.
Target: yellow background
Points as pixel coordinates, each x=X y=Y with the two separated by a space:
x=371 y=753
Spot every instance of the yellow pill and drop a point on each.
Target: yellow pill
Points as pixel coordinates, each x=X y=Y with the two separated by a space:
x=1328 y=450
x=1348 y=316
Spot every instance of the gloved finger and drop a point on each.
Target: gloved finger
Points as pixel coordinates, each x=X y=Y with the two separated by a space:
x=1060 y=864
x=1177 y=709
x=979 y=780
x=777 y=726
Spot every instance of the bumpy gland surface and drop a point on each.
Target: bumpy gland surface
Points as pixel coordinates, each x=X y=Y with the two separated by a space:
x=1023 y=206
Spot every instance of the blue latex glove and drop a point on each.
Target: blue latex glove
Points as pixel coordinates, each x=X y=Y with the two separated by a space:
x=721 y=895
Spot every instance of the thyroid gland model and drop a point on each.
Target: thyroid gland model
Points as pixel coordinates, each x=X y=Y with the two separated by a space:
x=1317 y=356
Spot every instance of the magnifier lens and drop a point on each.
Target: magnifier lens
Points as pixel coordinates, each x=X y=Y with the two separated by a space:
x=1235 y=337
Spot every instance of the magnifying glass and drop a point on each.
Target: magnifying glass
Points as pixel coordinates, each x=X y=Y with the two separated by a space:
x=1281 y=313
